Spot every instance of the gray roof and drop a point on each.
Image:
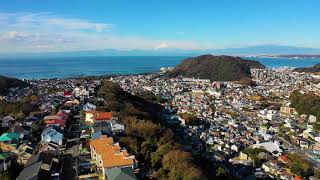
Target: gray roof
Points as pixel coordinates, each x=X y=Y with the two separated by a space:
x=120 y=174
x=30 y=172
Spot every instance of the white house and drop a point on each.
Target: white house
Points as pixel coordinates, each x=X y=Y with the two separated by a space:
x=116 y=127
x=7 y=121
x=312 y=119
x=89 y=107
x=271 y=147
x=52 y=134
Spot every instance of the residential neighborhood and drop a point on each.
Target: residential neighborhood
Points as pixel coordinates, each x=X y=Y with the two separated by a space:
x=251 y=130
x=247 y=131
x=65 y=138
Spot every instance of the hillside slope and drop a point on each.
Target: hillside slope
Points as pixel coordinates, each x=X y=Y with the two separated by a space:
x=7 y=82
x=216 y=68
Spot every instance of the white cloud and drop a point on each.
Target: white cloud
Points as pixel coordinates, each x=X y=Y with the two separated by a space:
x=47 y=32
x=162 y=45
x=48 y=21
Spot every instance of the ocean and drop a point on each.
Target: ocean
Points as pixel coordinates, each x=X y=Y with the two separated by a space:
x=63 y=67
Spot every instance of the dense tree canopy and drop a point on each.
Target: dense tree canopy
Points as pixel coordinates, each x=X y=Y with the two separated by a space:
x=146 y=136
x=300 y=165
x=306 y=103
x=191 y=119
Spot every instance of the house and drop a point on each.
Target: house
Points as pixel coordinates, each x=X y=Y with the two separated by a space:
x=25 y=151
x=38 y=166
x=236 y=147
x=92 y=116
x=6 y=160
x=11 y=138
x=108 y=155
x=65 y=109
x=102 y=116
x=219 y=156
x=116 y=127
x=99 y=133
x=8 y=147
x=89 y=107
x=53 y=134
x=7 y=121
x=271 y=167
x=22 y=131
x=284 y=159
x=50 y=147
x=29 y=121
x=271 y=147
x=103 y=126
x=312 y=119
x=67 y=94
x=54 y=120
x=286 y=175
x=120 y=174
x=287 y=110
x=62 y=115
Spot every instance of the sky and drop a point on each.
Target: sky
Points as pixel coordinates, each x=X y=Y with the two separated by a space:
x=76 y=25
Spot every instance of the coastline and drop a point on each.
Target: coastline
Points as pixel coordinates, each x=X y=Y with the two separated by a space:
x=114 y=66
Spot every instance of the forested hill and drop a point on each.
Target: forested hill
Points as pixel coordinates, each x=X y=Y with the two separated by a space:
x=6 y=83
x=216 y=68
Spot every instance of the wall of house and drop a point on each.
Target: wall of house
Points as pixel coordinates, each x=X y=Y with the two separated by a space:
x=89 y=117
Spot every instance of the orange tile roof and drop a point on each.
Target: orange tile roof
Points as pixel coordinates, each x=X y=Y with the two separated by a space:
x=284 y=158
x=103 y=115
x=99 y=115
x=297 y=178
x=111 y=153
x=7 y=147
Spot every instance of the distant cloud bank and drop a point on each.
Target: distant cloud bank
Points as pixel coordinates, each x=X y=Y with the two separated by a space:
x=48 y=32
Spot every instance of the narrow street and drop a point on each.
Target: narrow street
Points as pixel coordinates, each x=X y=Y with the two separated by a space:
x=71 y=154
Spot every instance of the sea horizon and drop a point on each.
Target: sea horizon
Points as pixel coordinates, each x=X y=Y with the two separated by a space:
x=72 y=67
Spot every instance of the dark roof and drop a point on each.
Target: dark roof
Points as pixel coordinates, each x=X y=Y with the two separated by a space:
x=45 y=158
x=32 y=169
x=65 y=108
x=31 y=119
x=30 y=172
x=18 y=129
x=29 y=151
x=100 y=133
x=120 y=174
x=101 y=126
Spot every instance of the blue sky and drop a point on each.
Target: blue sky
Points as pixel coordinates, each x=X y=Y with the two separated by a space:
x=61 y=25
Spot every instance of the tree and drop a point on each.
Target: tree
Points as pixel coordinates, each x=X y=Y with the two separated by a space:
x=300 y=165
x=34 y=98
x=156 y=157
x=220 y=172
x=316 y=172
x=253 y=153
x=179 y=164
x=191 y=119
x=306 y=103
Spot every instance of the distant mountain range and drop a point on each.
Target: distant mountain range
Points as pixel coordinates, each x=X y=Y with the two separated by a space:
x=245 y=51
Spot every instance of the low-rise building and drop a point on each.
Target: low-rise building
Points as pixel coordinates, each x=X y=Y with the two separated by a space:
x=108 y=155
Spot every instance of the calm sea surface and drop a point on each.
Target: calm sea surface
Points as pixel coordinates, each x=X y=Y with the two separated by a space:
x=36 y=68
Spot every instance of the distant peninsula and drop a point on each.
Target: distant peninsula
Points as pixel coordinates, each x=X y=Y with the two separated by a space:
x=292 y=56
x=312 y=69
x=215 y=68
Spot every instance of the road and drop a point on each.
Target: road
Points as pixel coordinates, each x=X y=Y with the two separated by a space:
x=71 y=154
